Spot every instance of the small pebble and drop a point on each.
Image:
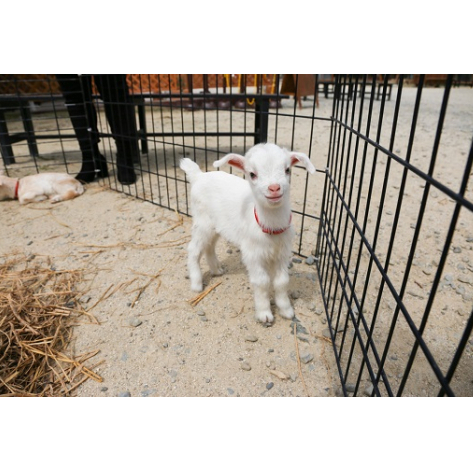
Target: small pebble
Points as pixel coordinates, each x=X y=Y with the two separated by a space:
x=350 y=387
x=134 y=322
x=307 y=358
x=279 y=374
x=326 y=333
x=251 y=338
x=245 y=366
x=310 y=260
x=296 y=260
x=201 y=313
x=124 y=394
x=465 y=280
x=269 y=386
x=299 y=328
x=104 y=389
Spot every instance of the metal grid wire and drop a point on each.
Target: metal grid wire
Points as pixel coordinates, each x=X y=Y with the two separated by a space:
x=385 y=218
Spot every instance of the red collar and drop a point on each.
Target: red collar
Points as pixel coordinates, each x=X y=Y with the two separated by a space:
x=269 y=231
x=16 y=188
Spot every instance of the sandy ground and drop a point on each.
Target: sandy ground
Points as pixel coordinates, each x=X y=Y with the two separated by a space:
x=153 y=342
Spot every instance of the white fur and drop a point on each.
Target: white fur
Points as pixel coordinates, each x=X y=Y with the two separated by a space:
x=37 y=187
x=223 y=204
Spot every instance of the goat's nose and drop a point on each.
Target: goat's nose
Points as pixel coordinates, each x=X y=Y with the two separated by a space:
x=274 y=187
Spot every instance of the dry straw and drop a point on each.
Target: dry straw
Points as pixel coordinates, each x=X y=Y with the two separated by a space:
x=36 y=319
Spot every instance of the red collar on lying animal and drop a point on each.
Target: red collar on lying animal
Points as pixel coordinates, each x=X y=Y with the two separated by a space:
x=270 y=231
x=16 y=188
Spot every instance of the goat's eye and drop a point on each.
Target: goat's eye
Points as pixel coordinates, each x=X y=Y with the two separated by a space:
x=253 y=175
x=288 y=171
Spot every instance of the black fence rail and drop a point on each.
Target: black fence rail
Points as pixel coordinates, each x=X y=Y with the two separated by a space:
x=389 y=219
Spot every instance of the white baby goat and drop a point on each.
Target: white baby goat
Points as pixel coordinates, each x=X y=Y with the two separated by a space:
x=252 y=213
x=53 y=185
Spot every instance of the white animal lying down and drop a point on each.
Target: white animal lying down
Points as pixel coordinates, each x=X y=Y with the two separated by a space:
x=252 y=213
x=37 y=187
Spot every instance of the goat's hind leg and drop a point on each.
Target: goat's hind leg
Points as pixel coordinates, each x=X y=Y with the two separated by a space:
x=202 y=242
x=194 y=254
x=211 y=257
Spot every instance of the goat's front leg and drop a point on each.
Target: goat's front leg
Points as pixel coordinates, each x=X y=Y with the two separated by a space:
x=261 y=283
x=281 y=283
x=31 y=197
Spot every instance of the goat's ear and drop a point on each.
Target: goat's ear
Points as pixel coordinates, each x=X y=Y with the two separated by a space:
x=301 y=158
x=233 y=160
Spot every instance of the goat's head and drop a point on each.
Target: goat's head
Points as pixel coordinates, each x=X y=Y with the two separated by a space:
x=267 y=168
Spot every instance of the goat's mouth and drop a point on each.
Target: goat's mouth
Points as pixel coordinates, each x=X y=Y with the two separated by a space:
x=274 y=198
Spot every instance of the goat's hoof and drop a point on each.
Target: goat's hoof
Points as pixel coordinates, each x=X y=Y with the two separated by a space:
x=287 y=313
x=266 y=318
x=197 y=287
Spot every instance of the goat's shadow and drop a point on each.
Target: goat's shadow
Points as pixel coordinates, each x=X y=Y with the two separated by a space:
x=303 y=283
x=232 y=266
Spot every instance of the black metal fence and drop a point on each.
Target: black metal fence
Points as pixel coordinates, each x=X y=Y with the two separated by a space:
x=395 y=239
x=389 y=219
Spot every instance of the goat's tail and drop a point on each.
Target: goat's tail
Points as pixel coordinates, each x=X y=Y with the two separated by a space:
x=190 y=168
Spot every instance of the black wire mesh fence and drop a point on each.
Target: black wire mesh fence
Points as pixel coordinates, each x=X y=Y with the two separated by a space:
x=388 y=216
x=395 y=242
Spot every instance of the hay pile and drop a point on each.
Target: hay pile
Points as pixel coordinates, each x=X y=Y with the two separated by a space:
x=38 y=308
